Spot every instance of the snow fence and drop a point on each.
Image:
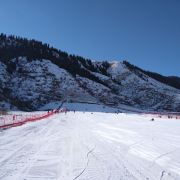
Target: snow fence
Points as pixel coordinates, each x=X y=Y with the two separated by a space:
x=13 y=120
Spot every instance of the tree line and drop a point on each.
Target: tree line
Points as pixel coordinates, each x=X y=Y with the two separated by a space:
x=15 y=47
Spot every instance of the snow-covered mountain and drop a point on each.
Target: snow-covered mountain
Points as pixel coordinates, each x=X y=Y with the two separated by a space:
x=32 y=74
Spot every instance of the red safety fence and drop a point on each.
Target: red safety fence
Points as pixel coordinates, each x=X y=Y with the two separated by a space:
x=12 y=120
x=163 y=115
x=171 y=115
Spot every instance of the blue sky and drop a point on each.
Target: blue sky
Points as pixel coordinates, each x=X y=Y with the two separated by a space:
x=144 y=32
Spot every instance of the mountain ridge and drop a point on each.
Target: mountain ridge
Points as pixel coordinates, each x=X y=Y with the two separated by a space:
x=56 y=75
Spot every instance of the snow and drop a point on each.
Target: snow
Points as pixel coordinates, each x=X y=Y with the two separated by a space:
x=39 y=82
x=80 y=106
x=3 y=74
x=43 y=79
x=95 y=87
x=117 y=68
x=7 y=105
x=92 y=145
x=90 y=107
x=100 y=76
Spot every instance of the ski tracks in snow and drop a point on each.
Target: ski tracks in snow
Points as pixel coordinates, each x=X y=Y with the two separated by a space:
x=83 y=146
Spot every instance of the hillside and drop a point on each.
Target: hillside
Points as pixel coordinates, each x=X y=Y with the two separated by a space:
x=33 y=74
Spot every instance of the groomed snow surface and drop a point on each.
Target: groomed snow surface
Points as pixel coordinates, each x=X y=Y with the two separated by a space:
x=92 y=146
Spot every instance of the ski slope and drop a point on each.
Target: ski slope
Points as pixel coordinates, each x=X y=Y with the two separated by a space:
x=92 y=146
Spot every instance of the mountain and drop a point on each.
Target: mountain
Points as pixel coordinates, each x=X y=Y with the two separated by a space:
x=33 y=74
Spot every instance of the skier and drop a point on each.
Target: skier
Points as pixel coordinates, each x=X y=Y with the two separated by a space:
x=14 y=118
